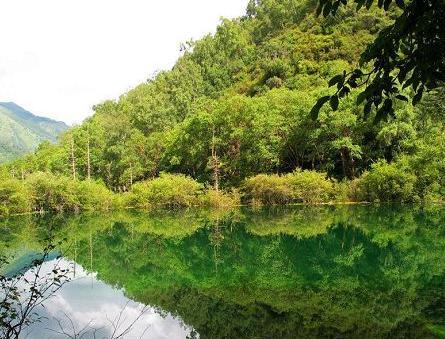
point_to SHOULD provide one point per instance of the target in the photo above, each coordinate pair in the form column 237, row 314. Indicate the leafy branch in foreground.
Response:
column 25, row 294
column 22, row 294
column 120, row 326
column 408, row 54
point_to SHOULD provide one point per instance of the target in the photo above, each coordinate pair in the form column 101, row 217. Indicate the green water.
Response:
column 297, row 272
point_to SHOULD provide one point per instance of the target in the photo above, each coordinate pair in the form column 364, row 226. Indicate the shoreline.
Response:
column 252, row 206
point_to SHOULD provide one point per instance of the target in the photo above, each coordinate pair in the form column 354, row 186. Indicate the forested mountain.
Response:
column 21, row 131
column 237, row 104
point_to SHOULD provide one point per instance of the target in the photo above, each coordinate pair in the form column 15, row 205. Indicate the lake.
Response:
column 290, row 272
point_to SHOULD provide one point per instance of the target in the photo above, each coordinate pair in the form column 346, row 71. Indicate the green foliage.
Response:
column 310, row 186
column 44, row 192
column 387, row 182
column 408, row 53
column 15, row 197
column 63, row 194
column 268, row 189
column 299, row 186
column 169, row 190
column 94, row 196
column 220, row 199
column 53, row 193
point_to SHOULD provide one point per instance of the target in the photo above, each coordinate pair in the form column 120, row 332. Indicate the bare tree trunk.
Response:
column 215, row 163
column 353, row 167
column 109, row 173
column 73, row 160
column 131, row 174
column 343, row 162
column 88, row 160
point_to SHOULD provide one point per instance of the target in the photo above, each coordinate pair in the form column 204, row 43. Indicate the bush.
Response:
column 299, row 187
column 53, row 193
column 213, row 198
column 169, row 190
column 429, row 167
column 93, row 196
column 63, row 194
column 387, row 182
column 268, row 189
column 344, row 191
column 15, row 197
column 310, row 187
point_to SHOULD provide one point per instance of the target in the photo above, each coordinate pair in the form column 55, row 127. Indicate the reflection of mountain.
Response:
column 23, row 262
column 364, row 272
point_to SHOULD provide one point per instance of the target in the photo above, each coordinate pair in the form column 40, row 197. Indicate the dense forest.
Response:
column 231, row 120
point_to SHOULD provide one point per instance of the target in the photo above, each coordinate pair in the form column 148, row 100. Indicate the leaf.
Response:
column 379, row 116
column 384, row 111
column 357, row 73
column 400, row 3
column 408, row 83
column 327, row 8
column 360, row 4
column 334, row 102
column 316, row 109
column 361, row 97
column 335, row 80
column 418, row 96
column 344, row 91
column 367, row 109
column 402, row 97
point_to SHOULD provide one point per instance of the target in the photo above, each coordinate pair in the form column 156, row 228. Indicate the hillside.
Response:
column 21, row 131
column 237, row 105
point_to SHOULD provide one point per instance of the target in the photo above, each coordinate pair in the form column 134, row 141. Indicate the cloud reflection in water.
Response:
column 85, row 303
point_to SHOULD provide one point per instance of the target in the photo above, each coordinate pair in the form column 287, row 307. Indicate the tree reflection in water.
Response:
column 356, row 272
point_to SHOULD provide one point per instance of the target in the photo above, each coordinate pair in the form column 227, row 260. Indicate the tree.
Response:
column 409, row 53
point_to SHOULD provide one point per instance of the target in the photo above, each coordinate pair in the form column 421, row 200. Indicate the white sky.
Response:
column 60, row 57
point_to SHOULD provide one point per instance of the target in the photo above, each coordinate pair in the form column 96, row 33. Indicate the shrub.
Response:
column 344, row 191
column 169, row 190
column 387, row 182
column 299, row 186
column 94, row 195
column 213, row 198
column 53, row 193
column 268, row 189
column 310, row 187
column 63, row 194
column 429, row 167
column 15, row 197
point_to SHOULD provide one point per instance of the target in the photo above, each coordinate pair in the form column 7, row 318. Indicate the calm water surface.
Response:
column 297, row 272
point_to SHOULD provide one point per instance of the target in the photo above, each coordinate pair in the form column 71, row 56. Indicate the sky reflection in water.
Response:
column 92, row 306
